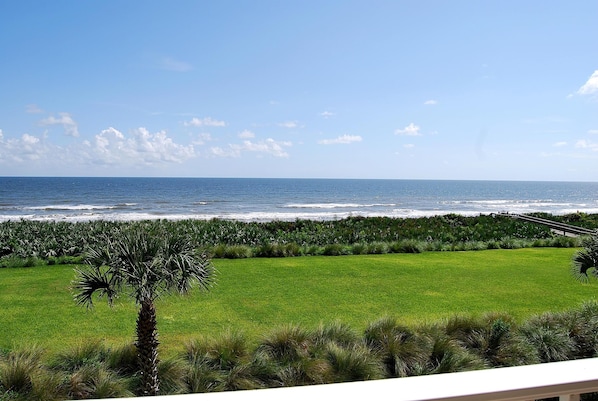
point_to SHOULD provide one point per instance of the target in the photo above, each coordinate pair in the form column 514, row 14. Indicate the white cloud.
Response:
column 109, row 147
column 583, row 144
column 24, row 149
column 112, row 147
column 269, row 146
column 67, row 122
column 204, row 122
column 408, row 146
column 202, row 139
column 430, row 102
column 327, row 114
column 289, row 124
column 559, row 144
column 591, row 86
column 343, row 139
column 246, row 134
column 593, row 132
column 33, row 109
column 171, row 64
column 410, row 130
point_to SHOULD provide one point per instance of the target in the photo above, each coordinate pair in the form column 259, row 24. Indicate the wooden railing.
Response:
column 566, row 380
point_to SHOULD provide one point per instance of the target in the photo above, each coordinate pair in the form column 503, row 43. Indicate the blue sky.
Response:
column 488, row 90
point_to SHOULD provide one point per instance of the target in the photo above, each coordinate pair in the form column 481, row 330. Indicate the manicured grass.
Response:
column 257, row 295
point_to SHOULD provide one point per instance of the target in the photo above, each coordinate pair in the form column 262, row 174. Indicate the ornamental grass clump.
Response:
column 549, row 335
column 224, row 362
column 96, row 381
column 445, row 355
column 18, row 370
column 400, row 349
column 83, row 354
column 351, row 363
column 494, row 337
column 289, row 352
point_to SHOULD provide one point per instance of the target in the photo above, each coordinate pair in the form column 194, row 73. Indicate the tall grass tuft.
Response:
column 584, row 331
column 18, row 370
column 549, row 335
column 96, row 381
column 201, row 378
column 84, row 353
column 228, row 350
column 123, row 359
column 288, row 353
column 289, row 343
column 224, row 363
column 399, row 348
column 493, row 337
column 335, row 332
column 446, row 355
column 352, row 363
column 172, row 376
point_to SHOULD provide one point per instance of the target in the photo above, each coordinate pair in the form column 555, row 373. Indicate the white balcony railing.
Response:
column 566, row 380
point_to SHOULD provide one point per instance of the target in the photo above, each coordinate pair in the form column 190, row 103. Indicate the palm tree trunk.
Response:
column 147, row 348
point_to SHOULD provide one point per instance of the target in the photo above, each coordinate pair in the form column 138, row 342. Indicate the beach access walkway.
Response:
column 556, row 227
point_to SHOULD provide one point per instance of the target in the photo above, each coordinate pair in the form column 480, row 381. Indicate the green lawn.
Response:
column 256, row 295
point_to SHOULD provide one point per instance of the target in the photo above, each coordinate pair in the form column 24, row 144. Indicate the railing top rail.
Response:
column 500, row 384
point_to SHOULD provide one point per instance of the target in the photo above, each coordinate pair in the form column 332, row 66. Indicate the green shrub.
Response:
column 359, row 249
column 334, row 250
column 561, row 241
column 406, row 246
column 377, row 248
column 237, row 252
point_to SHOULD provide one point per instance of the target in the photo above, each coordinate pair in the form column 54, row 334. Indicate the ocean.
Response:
column 249, row 199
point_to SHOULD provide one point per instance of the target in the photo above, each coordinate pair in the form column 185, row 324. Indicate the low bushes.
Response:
column 293, row 355
column 61, row 242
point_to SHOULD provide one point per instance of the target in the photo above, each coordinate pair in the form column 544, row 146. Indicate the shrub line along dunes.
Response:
column 32, row 242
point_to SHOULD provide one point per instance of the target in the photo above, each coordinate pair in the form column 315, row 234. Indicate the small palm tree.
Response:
column 585, row 261
column 144, row 262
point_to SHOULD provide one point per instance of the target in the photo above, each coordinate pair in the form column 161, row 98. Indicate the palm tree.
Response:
column 585, row 261
column 144, row 261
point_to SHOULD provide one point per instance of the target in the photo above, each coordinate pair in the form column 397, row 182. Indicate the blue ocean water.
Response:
column 248, row 199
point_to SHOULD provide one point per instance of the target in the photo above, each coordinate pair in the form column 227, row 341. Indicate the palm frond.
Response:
column 584, row 264
column 93, row 280
column 191, row 269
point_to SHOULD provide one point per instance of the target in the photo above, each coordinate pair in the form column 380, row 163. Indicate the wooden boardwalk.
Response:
column 556, row 227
